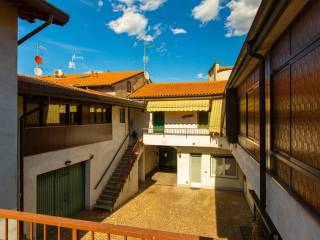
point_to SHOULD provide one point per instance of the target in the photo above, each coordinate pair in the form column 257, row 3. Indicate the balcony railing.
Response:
column 75, row 226
column 177, row 131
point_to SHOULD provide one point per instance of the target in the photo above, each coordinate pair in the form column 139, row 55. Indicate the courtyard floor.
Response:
column 161, row 205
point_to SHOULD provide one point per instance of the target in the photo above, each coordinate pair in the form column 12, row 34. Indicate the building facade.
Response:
column 272, row 98
column 184, row 134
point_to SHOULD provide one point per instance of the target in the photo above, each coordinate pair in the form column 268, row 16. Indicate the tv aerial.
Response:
column 38, row 71
column 72, row 63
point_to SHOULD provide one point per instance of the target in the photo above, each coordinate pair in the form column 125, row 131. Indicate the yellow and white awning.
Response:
column 216, row 116
column 178, row 105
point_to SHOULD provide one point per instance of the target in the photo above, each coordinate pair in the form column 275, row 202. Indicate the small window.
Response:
column 203, row 118
column 129, row 87
column 74, row 114
column 98, row 115
column 223, row 167
column 34, row 118
column 92, row 118
column 56, row 114
column 122, row 115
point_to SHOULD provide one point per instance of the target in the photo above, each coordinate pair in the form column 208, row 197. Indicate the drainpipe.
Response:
column 262, row 121
column 35, row 31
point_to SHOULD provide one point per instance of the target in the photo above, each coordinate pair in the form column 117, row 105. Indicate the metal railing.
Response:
column 113, row 158
column 136, row 150
column 31, row 220
column 177, row 131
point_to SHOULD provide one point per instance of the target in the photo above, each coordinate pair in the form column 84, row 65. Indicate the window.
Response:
column 203, row 118
column 34, row 118
column 74, row 115
column 92, row 117
column 122, row 115
column 56, row 114
column 99, row 115
column 129, row 87
column 223, row 166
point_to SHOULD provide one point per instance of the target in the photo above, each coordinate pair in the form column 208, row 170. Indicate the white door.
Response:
column 195, row 170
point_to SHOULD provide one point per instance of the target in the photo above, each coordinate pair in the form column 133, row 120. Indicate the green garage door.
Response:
column 61, row 192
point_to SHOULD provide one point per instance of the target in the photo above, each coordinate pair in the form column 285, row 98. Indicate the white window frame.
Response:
column 212, row 157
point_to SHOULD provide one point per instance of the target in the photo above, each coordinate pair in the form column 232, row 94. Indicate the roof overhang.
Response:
column 30, row 10
column 272, row 19
column 33, row 87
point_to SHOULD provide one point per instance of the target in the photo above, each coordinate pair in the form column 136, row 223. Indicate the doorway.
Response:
column 168, row 159
column 195, row 170
column 158, row 122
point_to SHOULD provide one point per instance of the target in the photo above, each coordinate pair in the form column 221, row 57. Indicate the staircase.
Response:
column 113, row 188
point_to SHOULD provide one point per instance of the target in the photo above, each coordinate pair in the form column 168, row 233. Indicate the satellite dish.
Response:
column 38, row 71
column 146, row 75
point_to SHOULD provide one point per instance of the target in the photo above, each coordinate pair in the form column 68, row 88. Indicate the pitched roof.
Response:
column 92, row 79
column 181, row 89
column 34, row 86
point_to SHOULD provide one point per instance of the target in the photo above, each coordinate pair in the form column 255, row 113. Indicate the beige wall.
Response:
column 151, row 158
column 176, row 120
column 102, row 151
column 140, row 120
column 130, row 188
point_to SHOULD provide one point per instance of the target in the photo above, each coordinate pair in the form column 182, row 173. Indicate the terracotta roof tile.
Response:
column 183, row 89
column 92, row 79
column 56, row 87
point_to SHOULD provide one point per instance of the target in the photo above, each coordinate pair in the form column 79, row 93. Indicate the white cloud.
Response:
column 242, row 13
column 206, row 11
column 132, row 23
column 151, row 5
column 202, row 76
column 176, row 31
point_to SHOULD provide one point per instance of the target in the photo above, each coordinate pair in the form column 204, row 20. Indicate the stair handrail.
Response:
column 135, row 150
column 113, row 158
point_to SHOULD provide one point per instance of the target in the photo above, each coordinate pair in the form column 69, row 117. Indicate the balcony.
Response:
column 187, row 137
column 77, row 228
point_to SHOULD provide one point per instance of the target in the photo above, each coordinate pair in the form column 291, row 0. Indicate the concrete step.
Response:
column 104, row 207
column 107, row 197
column 105, row 202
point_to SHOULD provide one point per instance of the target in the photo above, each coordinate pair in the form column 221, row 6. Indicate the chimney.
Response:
column 58, row 73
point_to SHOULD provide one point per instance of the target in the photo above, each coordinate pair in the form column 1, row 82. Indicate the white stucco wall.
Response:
column 207, row 181
column 176, row 120
column 102, row 151
column 8, row 107
column 291, row 219
column 130, row 188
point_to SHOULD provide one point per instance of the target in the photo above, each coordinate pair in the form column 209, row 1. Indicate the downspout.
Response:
column 35, row 31
column 262, row 123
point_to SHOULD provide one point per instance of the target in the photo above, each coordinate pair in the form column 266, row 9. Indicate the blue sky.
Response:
column 185, row 37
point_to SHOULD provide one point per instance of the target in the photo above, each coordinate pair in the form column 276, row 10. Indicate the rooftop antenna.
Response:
column 72, row 63
column 38, row 71
column 145, row 57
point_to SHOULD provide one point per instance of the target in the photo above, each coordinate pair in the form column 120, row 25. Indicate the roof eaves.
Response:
column 31, row 10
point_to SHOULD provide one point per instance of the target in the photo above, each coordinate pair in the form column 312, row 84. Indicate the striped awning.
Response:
column 216, row 116
column 178, row 106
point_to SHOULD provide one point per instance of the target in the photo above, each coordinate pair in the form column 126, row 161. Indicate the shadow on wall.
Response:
column 233, row 215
